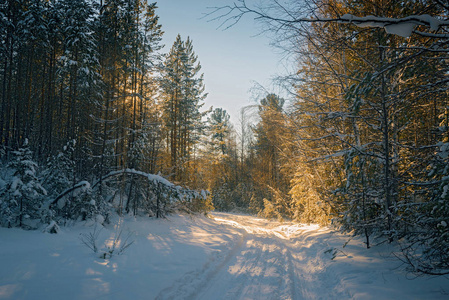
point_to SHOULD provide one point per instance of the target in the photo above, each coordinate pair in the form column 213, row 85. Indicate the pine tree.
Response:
column 220, row 130
column 183, row 93
column 23, row 196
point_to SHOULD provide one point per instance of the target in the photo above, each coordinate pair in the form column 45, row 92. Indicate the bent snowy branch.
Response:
column 403, row 27
column 81, row 185
column 182, row 193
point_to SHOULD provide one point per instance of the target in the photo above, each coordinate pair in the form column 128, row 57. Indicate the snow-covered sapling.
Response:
column 90, row 239
column 118, row 245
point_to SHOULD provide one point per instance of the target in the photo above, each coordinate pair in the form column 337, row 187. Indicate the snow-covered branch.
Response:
column 150, row 177
column 159, row 181
column 403, row 27
column 83, row 185
column 399, row 26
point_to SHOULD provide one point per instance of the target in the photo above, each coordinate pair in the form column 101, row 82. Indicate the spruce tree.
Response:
column 23, row 196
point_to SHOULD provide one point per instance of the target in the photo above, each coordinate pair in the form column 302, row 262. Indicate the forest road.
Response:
column 264, row 263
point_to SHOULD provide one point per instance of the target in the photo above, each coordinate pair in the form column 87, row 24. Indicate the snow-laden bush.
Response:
column 150, row 194
column 24, row 202
column 69, row 200
column 426, row 248
column 58, row 174
column 78, row 203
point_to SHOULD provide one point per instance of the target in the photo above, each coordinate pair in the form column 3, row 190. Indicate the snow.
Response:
column 15, row 183
column 151, row 177
column 402, row 29
column 225, row 256
column 402, row 26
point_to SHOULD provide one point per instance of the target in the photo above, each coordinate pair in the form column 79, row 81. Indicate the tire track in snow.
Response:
column 189, row 284
column 292, row 284
column 240, row 282
column 259, row 266
column 282, row 237
column 257, row 272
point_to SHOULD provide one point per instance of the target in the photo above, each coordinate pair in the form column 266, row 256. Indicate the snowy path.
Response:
column 260, row 266
column 226, row 256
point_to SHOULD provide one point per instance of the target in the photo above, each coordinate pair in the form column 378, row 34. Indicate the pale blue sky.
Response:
column 231, row 59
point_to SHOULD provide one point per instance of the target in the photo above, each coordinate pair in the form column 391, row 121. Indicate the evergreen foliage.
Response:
column 23, row 195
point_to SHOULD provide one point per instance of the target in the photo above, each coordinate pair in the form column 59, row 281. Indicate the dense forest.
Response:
column 91, row 108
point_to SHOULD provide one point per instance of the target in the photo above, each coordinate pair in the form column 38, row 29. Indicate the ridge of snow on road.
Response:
column 281, row 231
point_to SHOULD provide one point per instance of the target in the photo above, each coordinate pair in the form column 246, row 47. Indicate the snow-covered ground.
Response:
column 225, row 256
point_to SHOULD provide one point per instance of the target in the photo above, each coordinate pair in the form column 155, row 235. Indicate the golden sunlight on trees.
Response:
column 182, row 96
column 369, row 117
